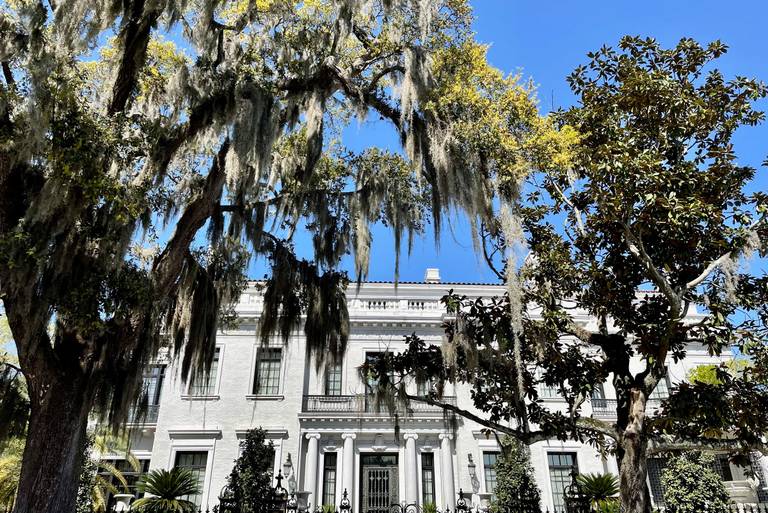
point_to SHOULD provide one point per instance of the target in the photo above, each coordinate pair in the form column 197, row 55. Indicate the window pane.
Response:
column 561, row 465
column 427, row 478
column 196, row 462
column 661, row 391
column 268, row 372
column 333, row 379
column 206, row 385
column 489, row 467
column 329, row 478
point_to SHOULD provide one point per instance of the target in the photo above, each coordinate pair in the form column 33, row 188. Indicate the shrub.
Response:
column 691, row 485
column 515, row 483
column 166, row 489
column 250, row 482
column 601, row 489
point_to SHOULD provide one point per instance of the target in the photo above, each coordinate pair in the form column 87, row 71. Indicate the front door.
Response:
column 379, row 482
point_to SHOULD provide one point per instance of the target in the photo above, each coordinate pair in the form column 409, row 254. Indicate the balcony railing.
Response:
column 364, row 405
column 604, row 408
column 149, row 416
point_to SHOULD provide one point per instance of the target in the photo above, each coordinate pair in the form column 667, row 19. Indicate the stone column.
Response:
column 310, row 468
column 446, row 471
column 411, row 469
column 348, row 465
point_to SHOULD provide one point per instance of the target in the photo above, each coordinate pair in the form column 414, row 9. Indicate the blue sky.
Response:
column 545, row 41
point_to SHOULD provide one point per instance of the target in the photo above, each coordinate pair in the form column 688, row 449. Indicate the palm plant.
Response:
column 166, row 489
column 10, row 469
column 109, row 479
column 601, row 489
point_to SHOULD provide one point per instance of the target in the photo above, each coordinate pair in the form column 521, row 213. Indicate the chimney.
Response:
column 432, row 275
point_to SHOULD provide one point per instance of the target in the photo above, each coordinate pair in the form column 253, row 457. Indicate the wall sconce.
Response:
column 472, row 468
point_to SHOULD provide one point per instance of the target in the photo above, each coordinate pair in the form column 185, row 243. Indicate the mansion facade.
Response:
column 329, row 438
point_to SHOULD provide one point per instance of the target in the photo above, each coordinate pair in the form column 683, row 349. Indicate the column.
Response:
column 411, row 469
column 348, row 464
column 446, row 471
column 310, row 468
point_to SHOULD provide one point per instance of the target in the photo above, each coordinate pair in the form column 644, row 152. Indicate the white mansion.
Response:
column 328, row 438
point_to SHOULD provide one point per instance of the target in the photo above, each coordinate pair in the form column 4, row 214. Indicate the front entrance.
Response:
column 379, row 483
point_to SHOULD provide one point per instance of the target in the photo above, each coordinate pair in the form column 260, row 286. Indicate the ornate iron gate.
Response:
column 379, row 488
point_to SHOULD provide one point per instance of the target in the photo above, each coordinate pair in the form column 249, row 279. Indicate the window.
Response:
column 427, row 478
column 195, row 461
column 333, row 379
column 131, row 474
column 206, row 385
column 598, row 392
column 267, row 380
column 546, row 391
column 561, row 465
column 661, row 391
column 489, row 468
column 371, row 383
column 424, row 388
column 329, row 478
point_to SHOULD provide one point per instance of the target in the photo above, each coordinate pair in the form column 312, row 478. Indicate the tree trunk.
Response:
column 53, row 454
column 633, row 464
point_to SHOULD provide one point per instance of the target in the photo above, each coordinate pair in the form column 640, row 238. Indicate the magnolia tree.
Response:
column 656, row 219
column 151, row 150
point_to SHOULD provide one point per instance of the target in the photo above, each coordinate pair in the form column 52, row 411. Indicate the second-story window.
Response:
column 661, row 391
column 267, row 380
column 153, row 383
column 206, row 385
column 333, row 379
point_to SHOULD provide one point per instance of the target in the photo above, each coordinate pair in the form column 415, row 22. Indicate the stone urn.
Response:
column 122, row 502
column 485, row 502
column 302, row 499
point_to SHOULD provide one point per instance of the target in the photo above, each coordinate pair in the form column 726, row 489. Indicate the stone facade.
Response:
column 333, row 436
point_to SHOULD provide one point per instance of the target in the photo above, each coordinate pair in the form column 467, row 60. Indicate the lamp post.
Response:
column 289, row 474
column 472, row 468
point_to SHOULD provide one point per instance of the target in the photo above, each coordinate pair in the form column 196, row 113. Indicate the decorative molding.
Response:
column 257, row 397
column 271, row 433
column 194, row 433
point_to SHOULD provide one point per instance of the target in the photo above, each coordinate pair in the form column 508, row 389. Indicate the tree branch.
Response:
column 198, row 210
column 528, row 438
column 708, row 270
column 135, row 36
column 635, row 245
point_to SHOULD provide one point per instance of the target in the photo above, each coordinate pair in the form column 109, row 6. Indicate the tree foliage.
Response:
column 150, row 151
column 250, row 482
column 691, row 484
column 14, row 399
column 516, row 488
column 657, row 219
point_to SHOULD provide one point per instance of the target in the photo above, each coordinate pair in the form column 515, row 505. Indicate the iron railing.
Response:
column 365, row 405
column 605, row 408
